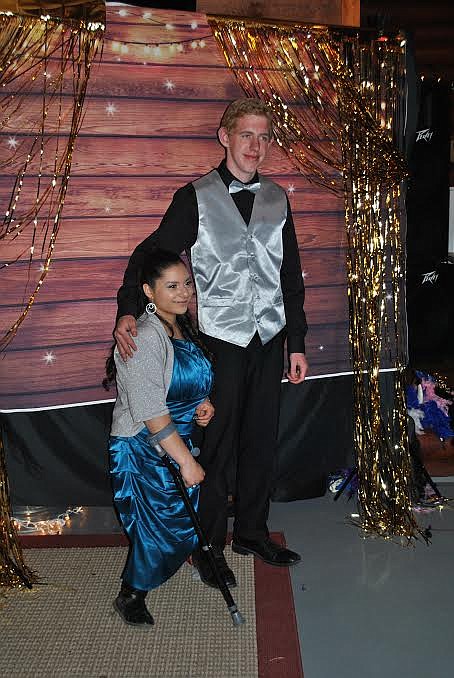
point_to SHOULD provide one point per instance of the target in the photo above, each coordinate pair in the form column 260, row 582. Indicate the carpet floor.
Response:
column 66, row 625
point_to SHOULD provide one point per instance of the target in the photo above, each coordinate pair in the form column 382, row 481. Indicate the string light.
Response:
column 163, row 49
column 50, row 526
column 160, row 49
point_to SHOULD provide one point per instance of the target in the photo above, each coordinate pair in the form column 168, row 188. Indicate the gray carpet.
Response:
column 67, row 625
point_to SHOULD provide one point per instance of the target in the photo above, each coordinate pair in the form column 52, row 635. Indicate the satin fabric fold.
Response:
column 151, row 511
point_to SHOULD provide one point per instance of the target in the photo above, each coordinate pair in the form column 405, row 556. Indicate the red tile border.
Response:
column 278, row 648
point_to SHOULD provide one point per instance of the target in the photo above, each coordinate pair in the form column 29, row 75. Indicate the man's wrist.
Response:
column 296, row 345
column 123, row 313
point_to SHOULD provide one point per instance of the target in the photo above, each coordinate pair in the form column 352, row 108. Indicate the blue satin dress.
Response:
column 151, row 511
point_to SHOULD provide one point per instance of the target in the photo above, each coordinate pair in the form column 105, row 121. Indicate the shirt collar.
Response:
column 227, row 177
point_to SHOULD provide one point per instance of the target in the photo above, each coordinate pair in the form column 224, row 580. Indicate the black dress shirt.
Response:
column 178, row 232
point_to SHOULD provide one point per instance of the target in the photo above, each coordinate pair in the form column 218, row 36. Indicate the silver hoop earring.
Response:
column 150, row 308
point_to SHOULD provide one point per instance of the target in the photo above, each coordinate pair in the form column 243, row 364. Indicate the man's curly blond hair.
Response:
column 241, row 107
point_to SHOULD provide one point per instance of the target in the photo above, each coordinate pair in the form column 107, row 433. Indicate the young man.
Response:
column 237, row 229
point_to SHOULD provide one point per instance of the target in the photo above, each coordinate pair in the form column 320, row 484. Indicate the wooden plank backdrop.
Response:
column 150, row 126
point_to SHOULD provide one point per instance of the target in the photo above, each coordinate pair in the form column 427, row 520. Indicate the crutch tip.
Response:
column 237, row 618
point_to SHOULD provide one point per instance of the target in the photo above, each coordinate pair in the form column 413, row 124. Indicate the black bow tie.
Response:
column 237, row 186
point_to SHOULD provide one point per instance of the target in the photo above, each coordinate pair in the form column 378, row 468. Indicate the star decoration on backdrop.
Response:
column 290, row 189
column 49, row 358
column 12, row 142
column 111, row 109
column 304, row 274
column 169, row 85
column 321, row 347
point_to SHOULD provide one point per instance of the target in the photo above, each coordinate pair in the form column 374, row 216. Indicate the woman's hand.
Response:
column 192, row 472
column 204, row 413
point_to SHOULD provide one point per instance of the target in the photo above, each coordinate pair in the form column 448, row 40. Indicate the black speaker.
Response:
column 429, row 274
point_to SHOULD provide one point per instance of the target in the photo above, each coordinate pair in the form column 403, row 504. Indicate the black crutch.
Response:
column 236, row 615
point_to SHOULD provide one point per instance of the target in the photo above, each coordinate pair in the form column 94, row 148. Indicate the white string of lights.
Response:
column 161, row 48
column 51, row 526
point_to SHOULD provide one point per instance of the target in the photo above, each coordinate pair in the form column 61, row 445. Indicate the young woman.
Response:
column 161, row 390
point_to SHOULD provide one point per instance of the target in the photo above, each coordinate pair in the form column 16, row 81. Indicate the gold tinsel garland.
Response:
column 14, row 572
column 336, row 101
column 52, row 57
column 373, row 173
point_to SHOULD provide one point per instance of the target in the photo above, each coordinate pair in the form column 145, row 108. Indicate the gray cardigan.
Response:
column 143, row 381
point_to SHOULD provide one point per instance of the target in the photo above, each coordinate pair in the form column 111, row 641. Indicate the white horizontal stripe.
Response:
column 112, row 400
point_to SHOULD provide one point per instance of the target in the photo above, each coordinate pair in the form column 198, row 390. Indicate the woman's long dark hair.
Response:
column 153, row 267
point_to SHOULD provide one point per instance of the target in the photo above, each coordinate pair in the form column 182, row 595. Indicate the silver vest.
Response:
column 237, row 267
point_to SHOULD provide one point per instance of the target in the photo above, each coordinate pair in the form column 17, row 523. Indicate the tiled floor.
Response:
column 370, row 608
column 365, row 608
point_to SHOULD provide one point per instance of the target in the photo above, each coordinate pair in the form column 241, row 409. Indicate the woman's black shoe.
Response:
column 130, row 605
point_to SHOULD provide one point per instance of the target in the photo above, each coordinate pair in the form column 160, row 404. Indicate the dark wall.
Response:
column 59, row 457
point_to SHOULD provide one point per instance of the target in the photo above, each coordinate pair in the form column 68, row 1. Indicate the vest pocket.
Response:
column 217, row 301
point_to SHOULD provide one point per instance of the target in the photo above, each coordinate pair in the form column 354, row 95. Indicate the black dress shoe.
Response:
column 201, row 562
column 130, row 605
column 267, row 550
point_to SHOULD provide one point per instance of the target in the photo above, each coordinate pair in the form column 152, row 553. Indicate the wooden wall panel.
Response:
column 107, row 236
column 91, row 276
column 141, row 80
column 139, row 155
column 151, row 194
column 52, row 371
column 151, row 118
column 145, row 156
column 75, row 366
column 149, row 128
column 340, row 12
column 67, row 323
column 86, row 320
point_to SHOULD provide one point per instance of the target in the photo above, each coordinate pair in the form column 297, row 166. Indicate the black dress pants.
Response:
column 240, row 440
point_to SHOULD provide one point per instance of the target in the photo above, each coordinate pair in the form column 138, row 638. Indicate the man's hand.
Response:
column 124, row 331
column 204, row 413
column 298, row 368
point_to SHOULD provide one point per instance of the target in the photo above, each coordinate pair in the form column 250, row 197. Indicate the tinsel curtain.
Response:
column 336, row 98
column 52, row 57
column 46, row 51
